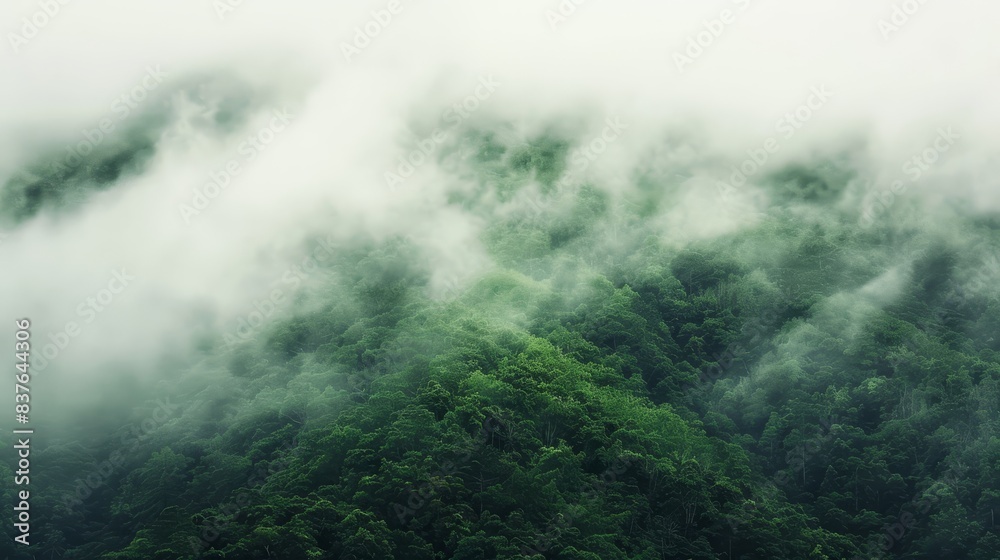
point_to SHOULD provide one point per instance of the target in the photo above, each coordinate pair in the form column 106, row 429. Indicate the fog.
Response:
column 332, row 115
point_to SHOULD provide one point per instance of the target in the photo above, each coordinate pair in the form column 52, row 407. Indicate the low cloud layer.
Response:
column 274, row 126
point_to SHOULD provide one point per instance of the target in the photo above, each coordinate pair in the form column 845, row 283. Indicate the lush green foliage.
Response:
column 799, row 389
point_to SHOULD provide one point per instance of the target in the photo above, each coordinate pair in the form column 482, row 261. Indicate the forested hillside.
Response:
column 802, row 386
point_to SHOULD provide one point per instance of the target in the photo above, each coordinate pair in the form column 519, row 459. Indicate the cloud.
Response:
column 324, row 173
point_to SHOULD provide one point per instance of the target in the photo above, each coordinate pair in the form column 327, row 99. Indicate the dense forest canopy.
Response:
column 802, row 388
column 559, row 281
